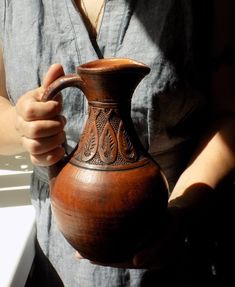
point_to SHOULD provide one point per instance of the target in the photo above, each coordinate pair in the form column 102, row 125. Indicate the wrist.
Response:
column 11, row 140
column 193, row 206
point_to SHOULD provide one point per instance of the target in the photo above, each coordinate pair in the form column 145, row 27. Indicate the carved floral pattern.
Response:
column 105, row 139
column 89, row 140
column 108, row 144
column 125, row 145
column 91, row 144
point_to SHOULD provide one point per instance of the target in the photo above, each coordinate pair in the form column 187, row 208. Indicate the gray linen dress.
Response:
column 166, row 106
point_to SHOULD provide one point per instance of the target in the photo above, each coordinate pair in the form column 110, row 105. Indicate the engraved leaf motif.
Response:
column 125, row 145
column 108, row 145
column 90, row 144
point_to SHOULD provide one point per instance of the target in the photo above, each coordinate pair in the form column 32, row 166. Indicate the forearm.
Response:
column 210, row 165
column 10, row 139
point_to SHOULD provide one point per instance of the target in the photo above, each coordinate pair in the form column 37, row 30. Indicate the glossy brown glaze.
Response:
column 110, row 195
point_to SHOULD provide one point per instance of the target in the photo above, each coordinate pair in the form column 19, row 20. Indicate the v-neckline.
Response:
column 90, row 50
column 111, row 30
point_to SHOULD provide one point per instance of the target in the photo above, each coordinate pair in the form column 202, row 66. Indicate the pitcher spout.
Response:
column 117, row 77
column 110, row 65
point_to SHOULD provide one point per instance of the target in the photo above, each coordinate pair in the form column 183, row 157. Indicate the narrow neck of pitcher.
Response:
column 123, row 109
column 116, row 116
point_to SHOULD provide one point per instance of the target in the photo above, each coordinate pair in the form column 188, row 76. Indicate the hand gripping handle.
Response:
column 70, row 80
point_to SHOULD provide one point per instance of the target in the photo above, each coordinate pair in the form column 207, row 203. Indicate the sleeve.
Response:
column 2, row 18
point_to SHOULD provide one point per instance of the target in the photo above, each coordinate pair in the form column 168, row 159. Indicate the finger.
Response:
column 58, row 98
column 43, row 145
column 30, row 108
column 41, row 128
column 49, row 158
column 55, row 71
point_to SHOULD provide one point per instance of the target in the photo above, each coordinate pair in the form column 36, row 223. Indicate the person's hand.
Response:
column 40, row 124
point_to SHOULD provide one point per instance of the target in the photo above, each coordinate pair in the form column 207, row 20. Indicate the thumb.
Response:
column 55, row 71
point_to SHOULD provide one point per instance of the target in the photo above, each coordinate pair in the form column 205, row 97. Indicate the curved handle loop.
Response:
column 70, row 80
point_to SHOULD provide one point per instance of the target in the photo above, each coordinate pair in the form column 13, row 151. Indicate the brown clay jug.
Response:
column 110, row 195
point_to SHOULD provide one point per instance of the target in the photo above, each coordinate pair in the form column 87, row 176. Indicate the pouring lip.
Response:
column 109, row 65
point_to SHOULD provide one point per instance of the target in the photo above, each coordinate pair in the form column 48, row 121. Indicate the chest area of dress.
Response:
column 142, row 29
column 132, row 29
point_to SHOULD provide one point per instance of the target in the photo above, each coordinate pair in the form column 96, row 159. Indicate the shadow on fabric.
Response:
column 42, row 272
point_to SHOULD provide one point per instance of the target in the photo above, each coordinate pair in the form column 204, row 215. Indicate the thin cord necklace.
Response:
column 96, row 22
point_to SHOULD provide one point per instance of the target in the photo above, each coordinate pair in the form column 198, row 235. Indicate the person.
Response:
column 183, row 113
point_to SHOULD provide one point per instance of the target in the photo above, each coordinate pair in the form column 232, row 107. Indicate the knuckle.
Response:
column 48, row 158
column 33, row 130
column 29, row 112
column 54, row 155
column 54, row 107
column 34, row 160
column 34, row 147
column 37, row 160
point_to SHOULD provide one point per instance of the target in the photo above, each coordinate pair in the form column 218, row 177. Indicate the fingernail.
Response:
column 64, row 120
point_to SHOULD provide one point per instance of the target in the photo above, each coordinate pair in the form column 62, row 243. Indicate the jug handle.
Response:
column 69, row 80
